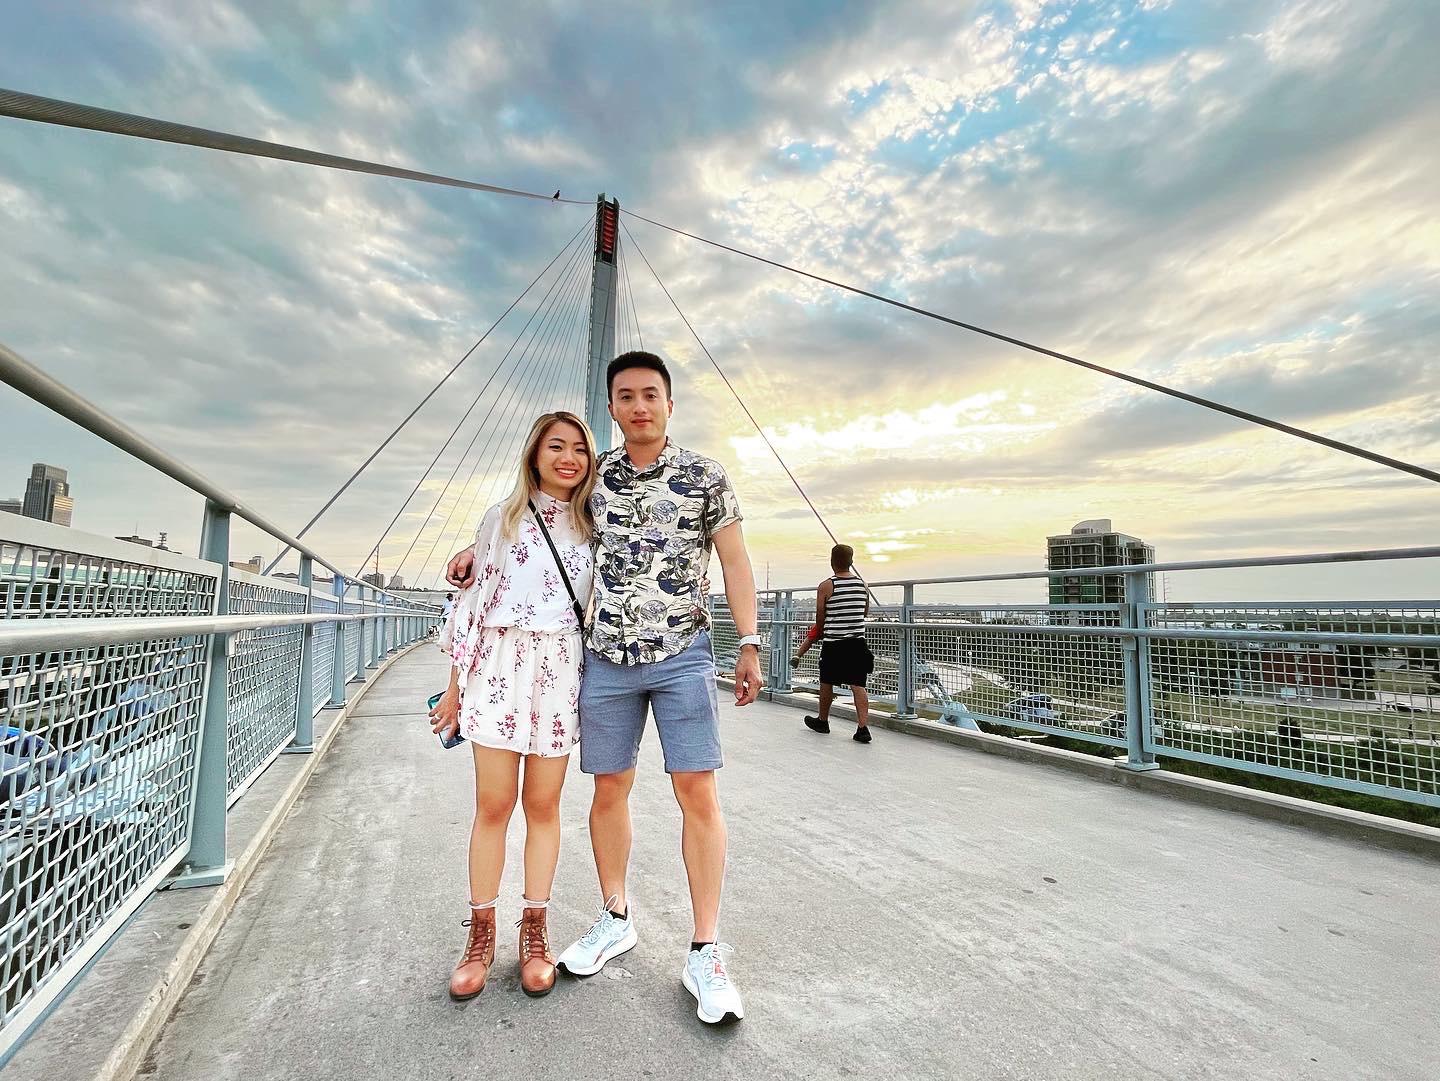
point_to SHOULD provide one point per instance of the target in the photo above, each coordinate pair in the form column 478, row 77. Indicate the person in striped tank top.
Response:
column 841, row 604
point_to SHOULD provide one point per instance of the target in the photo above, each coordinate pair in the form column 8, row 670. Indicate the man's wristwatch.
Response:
column 749, row 640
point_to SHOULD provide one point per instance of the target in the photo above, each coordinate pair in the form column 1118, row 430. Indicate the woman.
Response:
column 514, row 640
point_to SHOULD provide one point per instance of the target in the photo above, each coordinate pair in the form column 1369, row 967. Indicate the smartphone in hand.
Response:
column 457, row 738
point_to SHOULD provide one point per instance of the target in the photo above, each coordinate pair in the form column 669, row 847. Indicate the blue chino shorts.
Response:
column 679, row 691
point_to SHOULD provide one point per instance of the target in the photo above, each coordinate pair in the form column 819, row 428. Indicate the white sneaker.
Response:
column 608, row 937
column 706, row 978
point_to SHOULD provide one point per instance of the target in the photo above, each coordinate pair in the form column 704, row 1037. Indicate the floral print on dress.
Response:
column 508, row 676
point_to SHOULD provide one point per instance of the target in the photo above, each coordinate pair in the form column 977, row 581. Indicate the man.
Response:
column 447, row 607
column 841, row 604
column 658, row 512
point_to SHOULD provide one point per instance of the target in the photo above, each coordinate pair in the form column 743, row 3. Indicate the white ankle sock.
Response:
column 481, row 907
column 535, row 904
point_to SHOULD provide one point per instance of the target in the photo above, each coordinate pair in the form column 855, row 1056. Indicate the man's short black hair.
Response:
column 842, row 557
column 636, row 358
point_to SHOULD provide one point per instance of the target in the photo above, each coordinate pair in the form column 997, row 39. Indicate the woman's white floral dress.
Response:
column 514, row 637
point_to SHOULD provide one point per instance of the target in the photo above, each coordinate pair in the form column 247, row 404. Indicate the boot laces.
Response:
column 482, row 938
column 534, row 936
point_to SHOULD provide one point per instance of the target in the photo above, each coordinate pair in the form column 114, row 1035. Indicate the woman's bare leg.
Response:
column 497, row 779
column 544, row 777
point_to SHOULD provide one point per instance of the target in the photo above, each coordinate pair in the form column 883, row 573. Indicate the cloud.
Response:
column 1235, row 198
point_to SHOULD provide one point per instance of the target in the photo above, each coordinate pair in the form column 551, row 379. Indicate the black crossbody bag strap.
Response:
column 564, row 575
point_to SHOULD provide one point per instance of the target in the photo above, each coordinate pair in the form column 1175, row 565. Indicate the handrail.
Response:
column 19, row 637
column 48, row 391
column 1208, row 634
column 1429, row 552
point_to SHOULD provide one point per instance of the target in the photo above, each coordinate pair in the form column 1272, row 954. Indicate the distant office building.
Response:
column 253, row 565
column 12, row 506
column 47, row 495
column 396, row 583
column 159, row 546
column 1093, row 543
column 375, row 579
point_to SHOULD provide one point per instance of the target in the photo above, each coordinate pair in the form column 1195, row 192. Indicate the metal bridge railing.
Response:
column 141, row 693
column 1342, row 694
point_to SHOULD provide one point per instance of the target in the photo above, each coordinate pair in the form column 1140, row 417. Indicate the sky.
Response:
column 1234, row 198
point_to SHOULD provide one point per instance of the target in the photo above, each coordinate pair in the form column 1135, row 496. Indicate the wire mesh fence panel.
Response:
column 264, row 680
column 352, row 638
column 97, row 759
column 1067, row 683
column 725, row 638
column 47, row 583
column 1352, row 714
column 322, row 644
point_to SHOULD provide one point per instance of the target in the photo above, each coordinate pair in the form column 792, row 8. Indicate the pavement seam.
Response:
column 140, row 1035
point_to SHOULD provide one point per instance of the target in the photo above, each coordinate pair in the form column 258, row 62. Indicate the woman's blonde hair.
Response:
column 528, row 481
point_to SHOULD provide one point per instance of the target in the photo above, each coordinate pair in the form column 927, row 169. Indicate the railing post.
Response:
column 1139, row 711
column 304, row 741
column 337, row 662
column 359, row 673
column 780, row 639
column 205, row 863
column 905, row 677
column 377, row 628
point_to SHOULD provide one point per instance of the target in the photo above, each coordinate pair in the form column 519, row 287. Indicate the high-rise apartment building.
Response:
column 1093, row 543
column 47, row 495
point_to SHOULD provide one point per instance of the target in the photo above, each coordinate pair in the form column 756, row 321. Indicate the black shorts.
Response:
column 845, row 663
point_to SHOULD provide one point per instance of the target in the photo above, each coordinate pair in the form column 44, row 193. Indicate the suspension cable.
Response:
column 1161, row 388
column 578, row 309
column 624, row 340
column 514, row 393
column 509, row 389
column 519, row 394
column 630, row 292
column 23, row 106
column 421, row 405
column 454, row 431
column 726, row 379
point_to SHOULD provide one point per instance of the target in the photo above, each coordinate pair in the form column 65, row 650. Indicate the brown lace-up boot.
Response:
column 537, row 963
column 468, row 979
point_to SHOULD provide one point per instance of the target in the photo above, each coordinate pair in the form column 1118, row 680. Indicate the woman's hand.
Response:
column 445, row 717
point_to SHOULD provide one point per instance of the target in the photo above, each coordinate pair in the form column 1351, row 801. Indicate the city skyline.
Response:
column 1231, row 198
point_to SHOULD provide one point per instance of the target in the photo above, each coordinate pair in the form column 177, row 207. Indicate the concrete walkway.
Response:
column 903, row 910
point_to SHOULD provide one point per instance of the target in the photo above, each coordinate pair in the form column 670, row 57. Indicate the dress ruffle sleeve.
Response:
column 460, row 637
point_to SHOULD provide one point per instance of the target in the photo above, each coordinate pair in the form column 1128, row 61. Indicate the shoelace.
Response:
column 534, row 937
column 712, row 965
column 480, row 941
column 598, row 928
column 601, row 924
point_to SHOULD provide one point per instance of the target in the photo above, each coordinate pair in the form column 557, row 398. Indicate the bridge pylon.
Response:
column 602, row 318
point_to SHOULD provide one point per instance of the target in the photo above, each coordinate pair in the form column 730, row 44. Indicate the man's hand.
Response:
column 461, row 570
column 747, row 676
